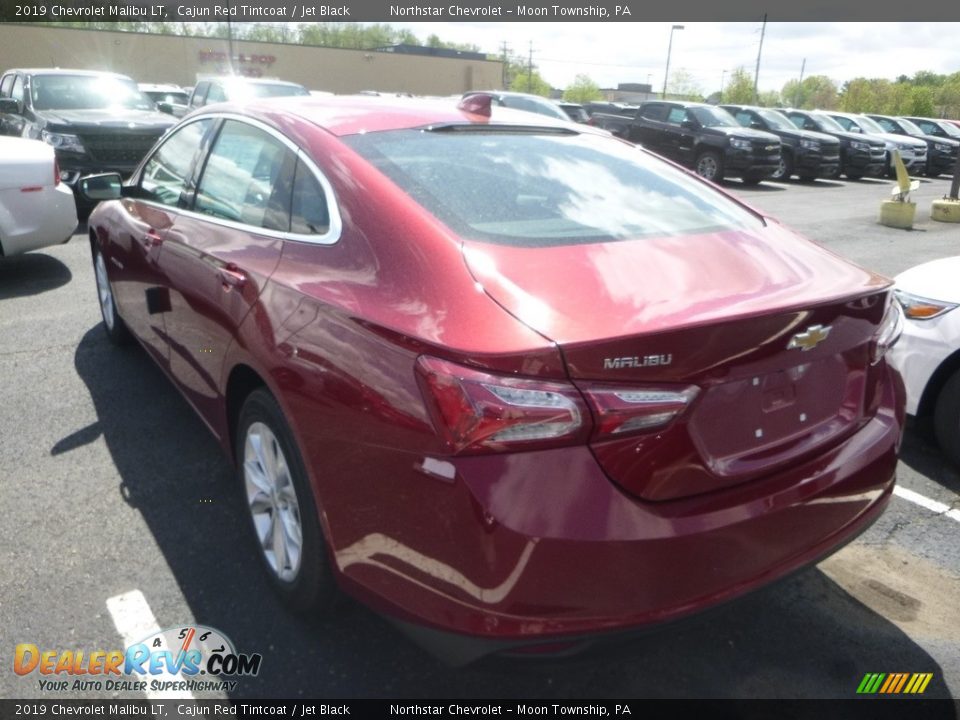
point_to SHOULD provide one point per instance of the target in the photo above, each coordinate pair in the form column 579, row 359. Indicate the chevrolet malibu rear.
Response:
column 535, row 385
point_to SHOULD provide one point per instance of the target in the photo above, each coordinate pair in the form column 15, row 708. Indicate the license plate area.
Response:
column 756, row 423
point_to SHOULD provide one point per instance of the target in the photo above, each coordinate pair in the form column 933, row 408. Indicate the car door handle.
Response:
column 152, row 238
column 232, row 277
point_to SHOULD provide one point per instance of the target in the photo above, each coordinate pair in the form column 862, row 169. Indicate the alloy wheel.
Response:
column 104, row 291
column 272, row 501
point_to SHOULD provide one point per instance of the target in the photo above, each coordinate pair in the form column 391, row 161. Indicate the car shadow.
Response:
column 805, row 637
column 763, row 186
column 921, row 453
column 31, row 274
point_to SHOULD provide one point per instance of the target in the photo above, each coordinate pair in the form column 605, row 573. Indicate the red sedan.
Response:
column 512, row 382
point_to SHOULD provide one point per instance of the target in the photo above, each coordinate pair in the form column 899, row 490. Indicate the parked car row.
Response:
column 755, row 143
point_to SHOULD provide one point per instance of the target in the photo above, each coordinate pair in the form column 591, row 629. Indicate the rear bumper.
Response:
column 541, row 547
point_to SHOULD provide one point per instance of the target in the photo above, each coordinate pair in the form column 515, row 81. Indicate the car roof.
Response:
column 351, row 114
column 69, row 71
column 248, row 80
column 160, row 86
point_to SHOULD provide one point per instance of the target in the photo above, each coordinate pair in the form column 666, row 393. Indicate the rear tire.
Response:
column 281, row 508
column 946, row 419
column 709, row 166
column 113, row 324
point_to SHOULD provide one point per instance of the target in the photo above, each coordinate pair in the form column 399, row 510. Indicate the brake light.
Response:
column 56, row 171
column 621, row 411
column 475, row 411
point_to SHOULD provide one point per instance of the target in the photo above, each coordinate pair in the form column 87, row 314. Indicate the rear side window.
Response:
column 309, row 214
column 215, row 95
column 17, row 91
column 653, row 112
column 167, row 172
column 247, row 178
column 845, row 123
column 677, row 115
column 546, row 189
column 199, row 93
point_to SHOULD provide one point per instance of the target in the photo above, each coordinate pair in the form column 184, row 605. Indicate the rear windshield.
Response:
column 551, row 188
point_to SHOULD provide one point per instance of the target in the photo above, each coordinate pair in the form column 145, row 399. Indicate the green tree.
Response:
column 739, row 89
column 858, row 96
column 819, row 92
column 683, row 85
column 921, row 101
column 582, row 90
column 769, row 98
column 532, row 83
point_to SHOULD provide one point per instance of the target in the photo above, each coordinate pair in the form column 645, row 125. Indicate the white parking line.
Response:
column 134, row 621
column 923, row 501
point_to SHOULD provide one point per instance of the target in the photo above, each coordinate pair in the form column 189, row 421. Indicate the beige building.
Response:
column 180, row 60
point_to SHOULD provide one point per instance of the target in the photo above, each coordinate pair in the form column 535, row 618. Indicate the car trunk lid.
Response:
column 773, row 330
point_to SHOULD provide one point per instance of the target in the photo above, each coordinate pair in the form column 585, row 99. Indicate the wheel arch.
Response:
column 939, row 378
column 242, row 381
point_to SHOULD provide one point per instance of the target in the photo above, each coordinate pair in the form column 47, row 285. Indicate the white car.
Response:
column 928, row 354
column 36, row 209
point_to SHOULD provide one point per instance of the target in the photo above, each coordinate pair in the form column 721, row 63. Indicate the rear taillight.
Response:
column 620, row 411
column 56, row 172
column 475, row 411
column 888, row 333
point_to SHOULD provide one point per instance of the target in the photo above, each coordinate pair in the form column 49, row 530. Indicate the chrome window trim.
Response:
column 331, row 237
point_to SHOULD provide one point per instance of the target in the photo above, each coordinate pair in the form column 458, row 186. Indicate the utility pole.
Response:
column 530, row 69
column 796, row 99
column 504, row 79
column 229, row 40
column 756, row 75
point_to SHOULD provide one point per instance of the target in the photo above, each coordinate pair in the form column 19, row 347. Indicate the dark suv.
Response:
column 96, row 121
column 703, row 137
column 941, row 150
column 859, row 154
column 805, row 153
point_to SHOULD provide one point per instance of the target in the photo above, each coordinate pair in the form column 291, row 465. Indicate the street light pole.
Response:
column 666, row 74
column 723, row 77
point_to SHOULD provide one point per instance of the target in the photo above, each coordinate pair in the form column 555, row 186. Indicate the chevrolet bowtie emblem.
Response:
column 810, row 338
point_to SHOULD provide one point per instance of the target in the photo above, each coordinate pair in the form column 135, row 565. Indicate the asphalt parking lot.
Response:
column 110, row 484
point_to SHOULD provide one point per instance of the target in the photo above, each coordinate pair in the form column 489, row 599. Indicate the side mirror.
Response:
column 11, row 106
column 107, row 186
column 688, row 125
column 756, row 125
column 855, row 129
column 165, row 107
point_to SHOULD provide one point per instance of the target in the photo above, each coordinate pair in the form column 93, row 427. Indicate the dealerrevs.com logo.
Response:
column 188, row 658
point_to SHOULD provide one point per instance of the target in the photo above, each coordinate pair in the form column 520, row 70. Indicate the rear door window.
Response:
column 248, row 178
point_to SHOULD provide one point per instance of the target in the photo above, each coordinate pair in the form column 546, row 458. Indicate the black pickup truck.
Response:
column 859, row 154
column 95, row 121
column 702, row 137
column 807, row 154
